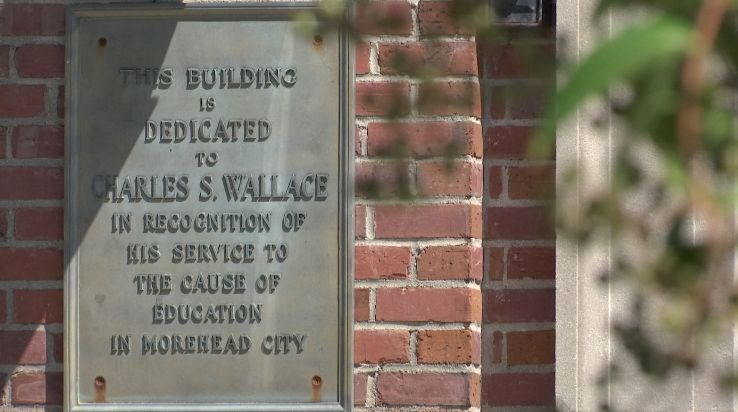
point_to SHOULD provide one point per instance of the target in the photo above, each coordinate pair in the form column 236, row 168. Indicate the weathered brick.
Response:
column 382, row 262
column 382, row 99
column 3, row 306
column 495, row 262
column 30, row 263
column 22, row 347
column 424, row 139
column 29, row 183
column 439, row 17
column 60, row 101
column 449, row 346
column 3, row 133
column 382, row 179
column 38, row 306
column 494, row 179
column 3, row 224
column 427, row 221
column 497, row 97
column 519, row 223
column 531, row 262
column 508, row 142
column 445, row 58
column 529, row 101
column 360, row 221
column 428, row 305
column 449, row 178
column 22, row 100
column 31, row 388
column 384, row 17
column 40, row 60
column 360, row 382
column 450, row 262
column 519, row 305
column 531, row 348
column 381, row 346
column 518, row 389
column 531, row 182
column 38, row 142
column 31, row 19
column 450, row 98
column 4, row 61
column 436, row 389
column 39, row 223
column 363, row 51
column 361, row 305
column 519, row 60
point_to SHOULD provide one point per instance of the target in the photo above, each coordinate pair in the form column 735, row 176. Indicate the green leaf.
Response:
column 619, row 58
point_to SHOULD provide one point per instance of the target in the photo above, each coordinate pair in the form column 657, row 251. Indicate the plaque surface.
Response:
column 209, row 210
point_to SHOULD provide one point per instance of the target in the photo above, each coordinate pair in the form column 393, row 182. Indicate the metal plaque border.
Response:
column 225, row 11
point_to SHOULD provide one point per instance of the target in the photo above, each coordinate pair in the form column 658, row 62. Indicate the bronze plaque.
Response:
column 209, row 210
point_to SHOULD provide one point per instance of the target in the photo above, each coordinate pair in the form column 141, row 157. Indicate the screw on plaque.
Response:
column 100, row 388
column 317, row 383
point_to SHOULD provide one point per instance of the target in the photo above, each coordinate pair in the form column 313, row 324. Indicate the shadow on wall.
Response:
column 31, row 197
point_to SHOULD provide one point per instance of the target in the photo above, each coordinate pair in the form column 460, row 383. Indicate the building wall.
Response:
column 419, row 271
column 519, row 243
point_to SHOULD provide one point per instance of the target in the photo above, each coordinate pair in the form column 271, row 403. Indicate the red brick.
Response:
column 363, row 51
column 529, row 101
column 495, row 262
column 3, row 131
column 3, row 224
column 531, row 348
column 59, row 347
column 449, row 346
column 428, row 305
column 519, row 223
column 40, row 60
column 31, row 263
column 450, row 98
column 384, row 17
column 519, row 305
column 531, row 182
column 38, row 306
column 382, row 99
column 360, row 381
column 382, row 262
column 450, row 179
column 497, row 102
column 4, row 60
column 39, row 223
column 382, row 179
column 494, row 179
column 22, row 100
column 531, row 262
column 361, row 305
column 3, row 306
column 517, row 60
column 38, row 142
column 518, row 389
column 360, row 222
column 30, row 388
column 435, row 389
column 23, row 347
column 424, row 138
column 508, row 142
column 427, row 221
column 32, row 19
column 495, row 347
column 445, row 58
column 450, row 262
column 381, row 346
column 29, row 183
column 438, row 17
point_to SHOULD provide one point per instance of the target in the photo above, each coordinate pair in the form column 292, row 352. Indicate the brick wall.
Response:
column 519, row 274
column 31, row 205
column 418, row 262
